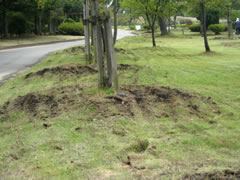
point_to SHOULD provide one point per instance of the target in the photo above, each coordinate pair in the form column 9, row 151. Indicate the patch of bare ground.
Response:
column 63, row 71
column 151, row 102
column 209, row 53
column 76, row 70
column 231, row 44
column 224, row 175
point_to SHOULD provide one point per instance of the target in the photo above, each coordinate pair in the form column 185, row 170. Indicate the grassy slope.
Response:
column 34, row 40
column 96, row 152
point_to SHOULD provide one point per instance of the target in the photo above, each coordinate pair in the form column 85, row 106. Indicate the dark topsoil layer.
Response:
column 76, row 69
column 225, row 175
column 150, row 102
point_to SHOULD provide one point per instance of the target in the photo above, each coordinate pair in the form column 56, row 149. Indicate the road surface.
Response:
column 16, row 60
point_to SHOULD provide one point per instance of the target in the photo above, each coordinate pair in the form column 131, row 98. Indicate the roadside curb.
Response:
column 39, row 44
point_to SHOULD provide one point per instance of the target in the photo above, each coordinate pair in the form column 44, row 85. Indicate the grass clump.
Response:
column 139, row 146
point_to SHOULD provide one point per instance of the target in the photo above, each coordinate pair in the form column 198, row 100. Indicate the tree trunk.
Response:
column 38, row 25
column 5, row 20
column 152, row 24
column 203, row 15
column 111, row 57
column 163, row 26
column 87, row 32
column 115, row 21
column 130, row 22
column 98, row 43
column 175, row 22
column 229, row 20
column 153, row 35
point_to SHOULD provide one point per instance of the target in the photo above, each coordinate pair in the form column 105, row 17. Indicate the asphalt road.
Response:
column 16, row 60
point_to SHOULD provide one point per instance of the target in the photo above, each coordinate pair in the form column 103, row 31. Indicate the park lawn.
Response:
column 84, row 143
column 32, row 39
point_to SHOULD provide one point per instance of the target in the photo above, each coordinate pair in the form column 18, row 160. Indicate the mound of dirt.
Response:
column 36, row 104
column 225, row 175
column 77, row 70
column 63, row 71
column 133, row 101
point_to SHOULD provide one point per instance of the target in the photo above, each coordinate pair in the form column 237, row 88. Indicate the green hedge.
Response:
column 217, row 28
column 195, row 27
column 71, row 28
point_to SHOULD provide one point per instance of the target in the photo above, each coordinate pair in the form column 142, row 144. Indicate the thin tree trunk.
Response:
column 152, row 24
column 86, row 32
column 115, row 21
column 163, row 26
column 5, row 20
column 229, row 20
column 175, row 22
column 98, row 43
column 153, row 35
column 203, row 14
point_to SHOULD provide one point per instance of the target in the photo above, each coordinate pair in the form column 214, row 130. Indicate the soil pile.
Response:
column 225, row 175
column 148, row 101
column 76, row 70
column 63, row 71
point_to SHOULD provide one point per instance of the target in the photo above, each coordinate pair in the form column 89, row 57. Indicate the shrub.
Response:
column 18, row 24
column 146, row 27
column 132, row 27
column 69, row 20
column 195, row 27
column 217, row 28
column 71, row 28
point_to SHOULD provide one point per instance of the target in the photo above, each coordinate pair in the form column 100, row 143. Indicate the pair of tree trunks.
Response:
column 204, row 26
column 103, row 44
column 151, row 21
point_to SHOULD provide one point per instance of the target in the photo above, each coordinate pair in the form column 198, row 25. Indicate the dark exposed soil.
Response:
column 132, row 101
column 77, row 70
column 225, row 175
column 123, row 67
column 63, row 71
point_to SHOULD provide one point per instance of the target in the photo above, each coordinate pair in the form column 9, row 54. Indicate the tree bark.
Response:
column 229, row 20
column 163, row 26
column 115, row 21
column 203, row 15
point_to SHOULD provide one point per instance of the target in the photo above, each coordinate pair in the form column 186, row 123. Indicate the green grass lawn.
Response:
column 31, row 40
column 92, row 140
